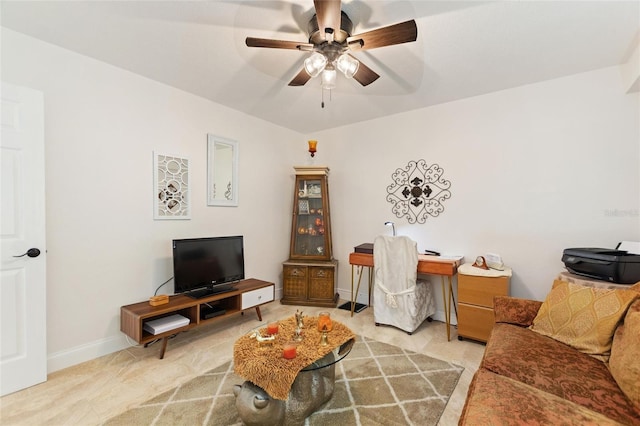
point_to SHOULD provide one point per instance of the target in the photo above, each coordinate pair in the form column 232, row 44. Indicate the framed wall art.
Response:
column 171, row 187
column 222, row 171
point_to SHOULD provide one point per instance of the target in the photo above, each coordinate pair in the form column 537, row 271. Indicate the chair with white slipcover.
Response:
column 399, row 298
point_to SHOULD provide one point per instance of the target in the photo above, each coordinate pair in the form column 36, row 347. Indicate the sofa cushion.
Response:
column 498, row 400
column 625, row 354
column 583, row 317
column 556, row 368
column 515, row 310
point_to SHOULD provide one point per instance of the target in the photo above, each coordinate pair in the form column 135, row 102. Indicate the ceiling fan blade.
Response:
column 365, row 75
column 328, row 15
column 300, row 79
column 386, row 36
column 278, row 44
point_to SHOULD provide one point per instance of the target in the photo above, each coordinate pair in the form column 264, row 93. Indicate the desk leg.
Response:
column 354, row 297
column 446, row 298
column 370, row 282
column 455, row 305
column 352, row 290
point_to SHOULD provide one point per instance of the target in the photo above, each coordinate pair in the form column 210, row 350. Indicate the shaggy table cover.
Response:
column 265, row 366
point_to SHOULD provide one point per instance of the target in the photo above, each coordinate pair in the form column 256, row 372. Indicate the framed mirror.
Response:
column 222, row 171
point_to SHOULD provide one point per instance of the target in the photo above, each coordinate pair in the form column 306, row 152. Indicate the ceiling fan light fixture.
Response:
column 348, row 65
column 315, row 63
column 329, row 78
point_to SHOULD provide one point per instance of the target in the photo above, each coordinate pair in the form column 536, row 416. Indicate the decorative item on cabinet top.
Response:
column 480, row 263
column 418, row 191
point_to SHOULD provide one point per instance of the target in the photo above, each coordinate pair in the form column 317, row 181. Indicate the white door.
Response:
column 23, row 350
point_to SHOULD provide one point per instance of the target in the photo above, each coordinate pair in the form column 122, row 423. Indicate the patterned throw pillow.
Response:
column 584, row 318
column 625, row 362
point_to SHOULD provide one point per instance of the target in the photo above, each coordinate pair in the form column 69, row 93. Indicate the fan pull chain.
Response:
column 322, row 97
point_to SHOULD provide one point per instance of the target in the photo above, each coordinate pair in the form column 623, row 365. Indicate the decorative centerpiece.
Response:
column 325, row 325
column 297, row 334
column 272, row 328
column 262, row 340
column 289, row 350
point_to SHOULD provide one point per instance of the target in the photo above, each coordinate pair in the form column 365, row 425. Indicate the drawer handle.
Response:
column 322, row 273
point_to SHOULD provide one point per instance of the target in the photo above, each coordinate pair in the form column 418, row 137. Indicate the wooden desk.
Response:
column 433, row 265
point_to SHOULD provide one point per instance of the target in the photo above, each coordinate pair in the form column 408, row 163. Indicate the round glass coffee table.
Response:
column 312, row 387
column 333, row 357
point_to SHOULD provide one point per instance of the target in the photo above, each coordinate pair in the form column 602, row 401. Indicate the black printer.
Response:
column 616, row 266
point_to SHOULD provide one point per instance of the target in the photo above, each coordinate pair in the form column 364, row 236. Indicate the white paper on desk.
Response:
column 632, row 247
column 449, row 256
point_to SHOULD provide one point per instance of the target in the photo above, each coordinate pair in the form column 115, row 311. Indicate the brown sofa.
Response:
column 528, row 378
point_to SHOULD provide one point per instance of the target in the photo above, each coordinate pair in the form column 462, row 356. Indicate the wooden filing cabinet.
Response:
column 475, row 301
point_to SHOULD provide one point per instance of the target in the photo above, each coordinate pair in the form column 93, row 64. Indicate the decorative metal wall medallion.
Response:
column 171, row 185
column 418, row 191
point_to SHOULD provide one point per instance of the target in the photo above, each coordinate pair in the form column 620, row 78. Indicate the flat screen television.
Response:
column 205, row 266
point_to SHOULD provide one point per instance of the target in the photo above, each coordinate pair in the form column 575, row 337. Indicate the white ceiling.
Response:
column 463, row 49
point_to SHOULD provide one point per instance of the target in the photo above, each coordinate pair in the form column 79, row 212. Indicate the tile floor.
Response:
column 92, row 392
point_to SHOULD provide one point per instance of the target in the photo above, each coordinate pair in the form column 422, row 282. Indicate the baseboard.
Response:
column 92, row 350
column 278, row 294
column 438, row 316
column 70, row 357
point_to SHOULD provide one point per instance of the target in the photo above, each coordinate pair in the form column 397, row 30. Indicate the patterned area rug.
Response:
column 376, row 384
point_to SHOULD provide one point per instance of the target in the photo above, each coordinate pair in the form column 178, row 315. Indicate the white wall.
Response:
column 533, row 170
column 104, row 248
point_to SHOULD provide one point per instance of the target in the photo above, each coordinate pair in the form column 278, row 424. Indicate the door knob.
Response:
column 32, row 252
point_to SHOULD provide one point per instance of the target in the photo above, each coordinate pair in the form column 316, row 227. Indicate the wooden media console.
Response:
column 247, row 294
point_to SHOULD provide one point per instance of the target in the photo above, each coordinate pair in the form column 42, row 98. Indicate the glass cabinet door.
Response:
column 311, row 229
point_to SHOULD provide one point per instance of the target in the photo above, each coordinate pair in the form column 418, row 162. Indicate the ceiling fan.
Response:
column 331, row 40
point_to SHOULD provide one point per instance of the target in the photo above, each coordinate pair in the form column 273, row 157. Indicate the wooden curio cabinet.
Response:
column 311, row 224
column 309, row 276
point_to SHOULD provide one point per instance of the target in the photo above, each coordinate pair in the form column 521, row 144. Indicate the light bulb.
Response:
column 314, row 64
column 348, row 65
column 329, row 78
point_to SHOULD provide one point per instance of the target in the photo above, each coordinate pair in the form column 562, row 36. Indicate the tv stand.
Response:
column 245, row 294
